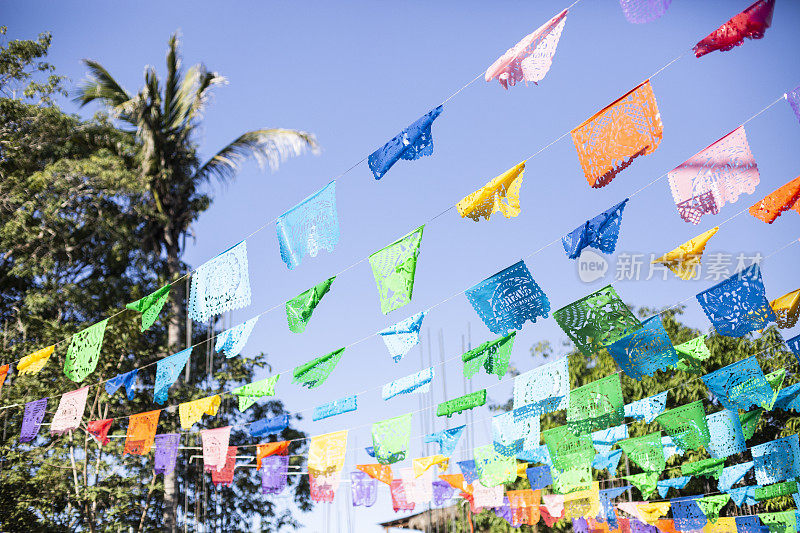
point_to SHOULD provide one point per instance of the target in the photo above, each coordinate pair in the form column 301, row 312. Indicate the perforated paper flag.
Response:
column 597, row 405
column 782, row 522
column 70, row 411
column 447, row 439
column 604, row 439
column 300, row 308
column 511, row 435
column 645, row 451
column 268, row 426
column 32, row 419
column 738, row 305
column 494, row 468
column 468, row 470
column 787, row 309
column 215, row 447
column 576, row 476
column 596, row 320
column 726, row 434
column 166, row 452
column 670, row 448
column 363, row 489
column 749, row 24
column 84, row 351
column 608, row 141
column 529, row 59
column 400, row 500
column 499, row 195
column 793, row 97
column 412, row 143
column 777, row 460
column 422, row 464
column 685, row 260
column 709, row 468
column 607, row 461
column 741, row 385
column 150, row 306
column 33, row 363
column 231, row 341
column 326, row 453
column 686, row 425
column 600, row 232
column 539, row 477
column 607, row 512
column 731, row 475
column 567, row 449
column 776, row 490
column 270, row 449
column 676, row 483
column 493, row 356
column 544, row 389
column 390, row 439
column 419, row 382
column 141, row 432
column 784, row 198
column 167, row 371
column 336, row 407
column 711, row 505
column 315, row 372
column 403, row 336
column 462, row 403
column 647, row 409
column 274, row 474
column 693, row 353
column 310, row 226
column 222, row 284
column 642, row 11
column 508, row 299
column 646, row 482
column 250, row 393
column 98, row 429
column 224, row 476
column 714, row 176
column 382, row 473
column 644, row 351
column 583, row 503
column 128, row 380
column 394, row 268
column 192, row 412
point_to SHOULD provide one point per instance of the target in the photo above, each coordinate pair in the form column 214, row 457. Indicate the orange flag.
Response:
column 382, row 473
column 3, row 374
column 456, row 481
column 775, row 203
column 141, row 432
column 270, row 448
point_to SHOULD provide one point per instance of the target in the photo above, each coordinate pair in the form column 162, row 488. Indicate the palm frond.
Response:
column 270, row 147
column 173, row 81
column 101, row 85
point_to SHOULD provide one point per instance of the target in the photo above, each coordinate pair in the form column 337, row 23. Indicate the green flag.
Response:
column 686, row 425
column 493, row 356
column 315, row 372
column 710, row 505
column 462, row 403
column 598, row 405
column 300, row 308
column 567, row 450
column 749, row 421
column 394, row 267
column 787, row 488
column 783, row 522
column 694, row 352
column 775, row 379
column 150, row 306
column 390, row 439
column 647, row 452
column 84, row 351
column 494, row 468
column 704, row 468
column 248, row 394
column 646, row 482
column 578, row 476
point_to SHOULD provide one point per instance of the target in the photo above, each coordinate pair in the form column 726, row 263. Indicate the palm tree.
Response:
column 163, row 121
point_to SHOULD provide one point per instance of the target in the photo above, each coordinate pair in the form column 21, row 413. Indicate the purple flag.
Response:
column 364, row 489
column 32, row 421
column 274, row 469
column 166, row 452
column 442, row 491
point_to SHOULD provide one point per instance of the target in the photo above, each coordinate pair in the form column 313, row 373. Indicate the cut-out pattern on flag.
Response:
column 446, row 439
column 645, row 482
column 326, row 455
column 399, row 497
column 749, row 24
column 84, row 351
column 167, row 371
column 493, row 356
column 127, row 379
column 748, row 524
column 576, row 476
column 643, row 11
column 274, row 473
column 738, row 305
column 538, row 454
column 231, row 341
column 511, row 435
column 224, row 476
column 777, row 460
column 726, row 434
column 604, row 439
column 714, row 176
column 250, row 393
column 489, row 199
column 269, row 449
column 693, row 353
column 567, row 449
column 709, row 468
column 412, row 143
column 99, row 430
column 539, row 477
column 310, row 226
column 508, row 299
column 686, row 514
column 323, row 488
column 336, row 407
column 192, row 412
column 300, row 308
column 607, row 512
column 418, row 383
column 750, row 422
column 794, row 345
column 141, row 432
column 741, row 385
column 793, row 97
column 150, row 306
column 600, row 232
column 456, row 481
column 215, row 447
column 676, row 483
column 783, row 522
column 531, row 58
column 394, row 268
column 462, row 403
column 670, row 448
column 269, row 426
column 596, row 320
column 363, row 489
column 442, row 493
column 468, row 470
column 33, row 363
column 420, row 465
column 685, row 260
column 493, row 468
column 315, row 372
column 486, row 497
column 645, row 451
column 552, row 508
column 382, row 473
column 787, row 309
column 774, row 204
column 222, row 284
column 597, row 405
column 711, row 505
column 776, row 490
column 609, row 141
column 647, row 409
column 70, row 411
column 166, row 446
column 644, row 351
column 32, row 419
column 607, row 461
column 583, row 503
column 390, row 439
column 403, row 336
column 731, row 475
column 686, row 425
column 544, row 389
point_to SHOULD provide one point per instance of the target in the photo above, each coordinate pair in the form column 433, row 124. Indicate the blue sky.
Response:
column 356, row 73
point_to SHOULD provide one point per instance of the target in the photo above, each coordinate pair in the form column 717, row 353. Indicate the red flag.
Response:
column 750, row 23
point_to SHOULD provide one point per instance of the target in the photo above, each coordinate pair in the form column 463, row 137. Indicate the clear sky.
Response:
column 355, row 73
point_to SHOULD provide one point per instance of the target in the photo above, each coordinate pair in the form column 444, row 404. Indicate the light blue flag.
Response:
column 676, row 483
column 167, row 371
column 647, row 409
column 789, row 398
column 403, row 336
column 731, row 475
column 418, row 382
column 608, row 461
column 446, row 439
column 644, row 351
column 336, row 407
column 777, row 460
column 537, row 454
column 605, row 439
column 607, row 511
column 743, row 495
column 219, row 285
column 670, row 448
column 726, row 434
column 232, row 341
column 741, row 385
column 310, row 226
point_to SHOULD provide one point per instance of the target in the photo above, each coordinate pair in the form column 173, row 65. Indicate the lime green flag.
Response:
column 390, row 439
column 462, row 403
column 394, row 267
column 787, row 488
column 686, row 425
column 84, row 351
column 749, row 421
column 494, row 468
column 775, row 379
column 693, row 353
column 248, row 394
column 783, row 522
column 568, row 451
column 576, row 477
column 646, row 482
column 300, row 308
column 704, row 468
column 647, row 452
column 711, row 505
column 598, row 405
column 150, row 306
column 493, row 356
column 315, row 372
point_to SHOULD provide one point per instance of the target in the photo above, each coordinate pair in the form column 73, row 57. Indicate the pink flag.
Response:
column 215, row 447
column 530, row 59
column 70, row 411
column 749, row 24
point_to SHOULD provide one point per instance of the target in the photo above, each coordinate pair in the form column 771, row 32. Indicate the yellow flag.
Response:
column 583, row 503
column 522, row 470
column 422, row 464
column 685, row 259
column 722, row 525
column 191, row 412
column 500, row 194
column 650, row 512
column 787, row 309
column 326, row 453
column 31, row 364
